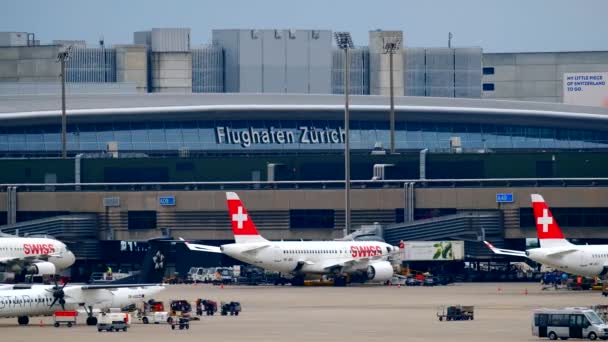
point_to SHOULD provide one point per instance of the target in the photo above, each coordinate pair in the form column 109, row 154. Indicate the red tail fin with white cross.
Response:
column 242, row 226
column 547, row 228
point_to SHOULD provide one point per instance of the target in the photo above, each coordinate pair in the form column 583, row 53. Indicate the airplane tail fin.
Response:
column 242, row 225
column 549, row 233
column 154, row 264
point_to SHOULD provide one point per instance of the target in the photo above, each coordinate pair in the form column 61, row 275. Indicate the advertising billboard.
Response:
column 586, row 88
column 432, row 250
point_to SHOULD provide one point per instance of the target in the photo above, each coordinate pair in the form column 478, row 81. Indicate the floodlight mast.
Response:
column 391, row 45
column 345, row 42
column 62, row 57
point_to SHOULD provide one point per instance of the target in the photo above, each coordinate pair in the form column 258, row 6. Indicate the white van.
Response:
column 568, row 323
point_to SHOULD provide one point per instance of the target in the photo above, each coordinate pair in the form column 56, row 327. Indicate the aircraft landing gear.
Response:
column 91, row 320
column 23, row 320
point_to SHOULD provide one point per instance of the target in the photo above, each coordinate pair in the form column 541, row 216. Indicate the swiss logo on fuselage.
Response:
column 38, row 248
column 365, row 251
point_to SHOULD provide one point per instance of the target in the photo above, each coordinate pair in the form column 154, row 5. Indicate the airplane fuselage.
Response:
column 36, row 301
column 307, row 256
column 587, row 260
column 34, row 248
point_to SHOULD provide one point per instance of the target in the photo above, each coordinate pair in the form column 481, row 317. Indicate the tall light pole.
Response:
column 63, row 56
column 391, row 45
column 345, row 42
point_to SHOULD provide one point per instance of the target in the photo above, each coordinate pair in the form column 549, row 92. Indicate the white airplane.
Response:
column 40, row 256
column 555, row 251
column 24, row 301
column 44, row 300
column 365, row 259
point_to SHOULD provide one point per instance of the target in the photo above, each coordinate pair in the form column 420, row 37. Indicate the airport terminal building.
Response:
column 159, row 128
column 142, row 166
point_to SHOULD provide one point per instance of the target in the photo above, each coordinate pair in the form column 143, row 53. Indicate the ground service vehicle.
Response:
column 456, row 313
column 113, row 321
column 153, row 312
column 568, row 323
column 231, row 308
column 154, row 317
column 181, row 305
column 201, row 275
column 207, row 306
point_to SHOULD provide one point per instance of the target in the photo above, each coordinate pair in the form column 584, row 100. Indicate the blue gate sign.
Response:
column 167, row 200
column 504, row 198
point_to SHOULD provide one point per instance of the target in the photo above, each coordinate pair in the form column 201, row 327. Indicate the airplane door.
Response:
column 277, row 254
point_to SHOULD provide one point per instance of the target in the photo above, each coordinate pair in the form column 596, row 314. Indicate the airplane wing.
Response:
column 505, row 251
column 354, row 262
column 202, row 248
column 215, row 249
column 112, row 286
column 27, row 259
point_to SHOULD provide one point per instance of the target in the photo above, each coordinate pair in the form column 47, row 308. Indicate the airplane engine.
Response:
column 380, row 271
column 41, row 268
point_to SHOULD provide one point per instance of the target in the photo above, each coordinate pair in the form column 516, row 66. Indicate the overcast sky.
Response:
column 496, row 26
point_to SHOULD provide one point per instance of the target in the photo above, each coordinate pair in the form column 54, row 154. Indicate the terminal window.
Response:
column 426, row 213
column 311, row 219
column 142, row 219
column 488, row 71
column 488, row 87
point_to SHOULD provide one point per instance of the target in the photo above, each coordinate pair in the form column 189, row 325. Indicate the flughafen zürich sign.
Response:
column 247, row 137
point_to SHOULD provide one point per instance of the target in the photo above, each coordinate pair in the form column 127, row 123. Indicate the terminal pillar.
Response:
column 11, row 205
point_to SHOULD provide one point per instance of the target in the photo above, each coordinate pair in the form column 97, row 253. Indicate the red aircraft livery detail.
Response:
column 365, row 251
column 38, row 248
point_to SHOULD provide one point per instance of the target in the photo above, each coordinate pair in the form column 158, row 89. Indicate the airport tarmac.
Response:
column 356, row 313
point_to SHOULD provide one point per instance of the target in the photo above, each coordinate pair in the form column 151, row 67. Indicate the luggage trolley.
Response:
column 65, row 317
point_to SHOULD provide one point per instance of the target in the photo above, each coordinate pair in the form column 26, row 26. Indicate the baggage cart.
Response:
column 456, row 313
column 65, row 317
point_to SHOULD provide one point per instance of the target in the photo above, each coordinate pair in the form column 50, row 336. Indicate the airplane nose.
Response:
column 71, row 258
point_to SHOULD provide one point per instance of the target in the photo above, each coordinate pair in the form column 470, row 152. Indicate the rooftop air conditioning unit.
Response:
column 112, row 148
column 456, row 144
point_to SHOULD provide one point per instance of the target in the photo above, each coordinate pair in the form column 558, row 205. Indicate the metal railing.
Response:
column 317, row 185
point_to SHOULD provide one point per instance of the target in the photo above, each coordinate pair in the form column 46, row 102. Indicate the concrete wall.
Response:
column 132, row 65
column 29, row 64
column 537, row 76
column 202, row 214
column 13, row 38
column 171, row 72
column 379, row 72
column 276, row 61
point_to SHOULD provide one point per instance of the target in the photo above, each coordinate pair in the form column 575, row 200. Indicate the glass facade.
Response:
column 96, row 65
column 298, row 135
